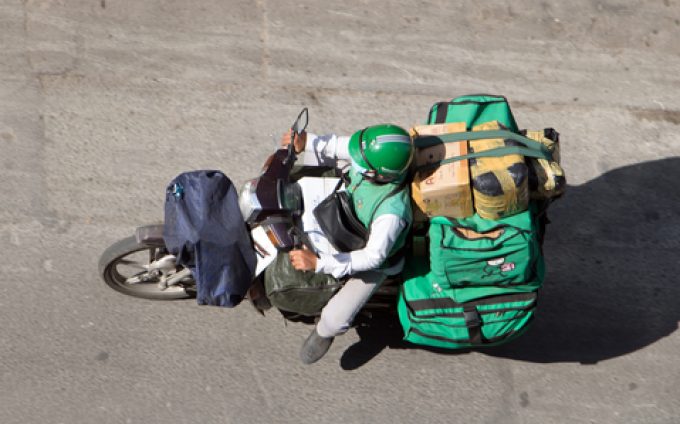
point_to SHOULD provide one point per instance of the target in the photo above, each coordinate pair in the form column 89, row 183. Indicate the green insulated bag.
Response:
column 481, row 288
column 479, row 283
column 430, row 315
column 473, row 253
column 473, row 109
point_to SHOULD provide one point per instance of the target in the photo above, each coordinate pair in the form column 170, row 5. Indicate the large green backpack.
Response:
column 479, row 285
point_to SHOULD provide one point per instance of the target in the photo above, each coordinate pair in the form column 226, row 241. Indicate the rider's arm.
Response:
column 384, row 232
column 325, row 150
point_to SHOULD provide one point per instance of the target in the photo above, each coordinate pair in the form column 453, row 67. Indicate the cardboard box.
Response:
column 443, row 190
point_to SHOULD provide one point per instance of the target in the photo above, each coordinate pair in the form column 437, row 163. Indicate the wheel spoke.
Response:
column 131, row 264
column 135, row 279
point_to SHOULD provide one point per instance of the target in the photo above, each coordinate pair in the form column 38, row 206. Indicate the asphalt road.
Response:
column 102, row 102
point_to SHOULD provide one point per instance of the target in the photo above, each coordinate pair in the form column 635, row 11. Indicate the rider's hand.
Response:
column 303, row 260
column 299, row 143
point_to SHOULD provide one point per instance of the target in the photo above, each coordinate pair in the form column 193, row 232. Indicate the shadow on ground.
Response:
column 611, row 286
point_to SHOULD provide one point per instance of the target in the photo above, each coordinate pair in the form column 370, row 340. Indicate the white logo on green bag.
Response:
column 496, row 267
column 507, row 267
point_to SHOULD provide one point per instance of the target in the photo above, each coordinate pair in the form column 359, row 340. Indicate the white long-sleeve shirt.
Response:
column 331, row 150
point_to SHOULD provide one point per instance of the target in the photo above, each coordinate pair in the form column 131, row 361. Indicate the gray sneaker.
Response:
column 315, row 347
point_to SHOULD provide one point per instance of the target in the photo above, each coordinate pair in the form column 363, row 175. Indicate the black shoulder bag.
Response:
column 338, row 221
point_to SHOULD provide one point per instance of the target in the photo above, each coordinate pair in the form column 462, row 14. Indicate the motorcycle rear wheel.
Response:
column 125, row 261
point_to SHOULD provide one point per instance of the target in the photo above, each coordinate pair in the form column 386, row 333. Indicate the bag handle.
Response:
column 337, row 186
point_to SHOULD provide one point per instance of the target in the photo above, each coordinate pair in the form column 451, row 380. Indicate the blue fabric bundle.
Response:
column 205, row 230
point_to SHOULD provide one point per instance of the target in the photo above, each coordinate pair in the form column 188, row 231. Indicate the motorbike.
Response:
column 274, row 206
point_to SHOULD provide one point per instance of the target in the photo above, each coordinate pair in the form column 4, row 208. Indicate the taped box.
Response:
column 499, row 184
column 442, row 190
column 546, row 177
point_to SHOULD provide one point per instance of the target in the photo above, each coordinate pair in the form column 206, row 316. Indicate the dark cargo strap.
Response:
column 533, row 148
column 442, row 111
column 520, row 310
column 448, row 303
column 473, row 322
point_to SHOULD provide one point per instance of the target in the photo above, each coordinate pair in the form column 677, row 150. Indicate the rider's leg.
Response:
column 338, row 314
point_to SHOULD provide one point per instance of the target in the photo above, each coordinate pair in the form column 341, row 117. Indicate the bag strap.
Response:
column 432, row 140
column 473, row 322
column 533, row 149
column 442, row 111
column 340, row 181
column 399, row 187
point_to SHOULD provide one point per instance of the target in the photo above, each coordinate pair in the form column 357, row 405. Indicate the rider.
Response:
column 380, row 156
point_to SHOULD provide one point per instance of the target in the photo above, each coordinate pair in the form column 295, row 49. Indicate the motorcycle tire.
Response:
column 130, row 255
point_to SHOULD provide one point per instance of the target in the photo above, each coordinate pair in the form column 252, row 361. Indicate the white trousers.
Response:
column 338, row 314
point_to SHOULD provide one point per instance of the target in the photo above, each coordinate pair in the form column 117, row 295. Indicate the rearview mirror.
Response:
column 301, row 122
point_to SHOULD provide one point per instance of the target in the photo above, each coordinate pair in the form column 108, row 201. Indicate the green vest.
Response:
column 366, row 196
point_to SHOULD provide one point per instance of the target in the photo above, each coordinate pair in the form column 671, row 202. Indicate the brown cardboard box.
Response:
column 445, row 190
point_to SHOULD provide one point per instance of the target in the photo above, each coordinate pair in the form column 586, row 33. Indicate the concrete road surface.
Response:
column 102, row 102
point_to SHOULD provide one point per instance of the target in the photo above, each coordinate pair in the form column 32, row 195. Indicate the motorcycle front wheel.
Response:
column 124, row 267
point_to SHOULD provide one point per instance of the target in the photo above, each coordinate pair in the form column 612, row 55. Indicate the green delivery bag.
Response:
column 474, row 252
column 430, row 315
column 480, row 288
column 473, row 109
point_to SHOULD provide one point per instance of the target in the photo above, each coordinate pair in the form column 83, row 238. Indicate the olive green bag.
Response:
column 300, row 292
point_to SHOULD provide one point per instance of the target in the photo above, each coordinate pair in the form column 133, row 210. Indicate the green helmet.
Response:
column 384, row 150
